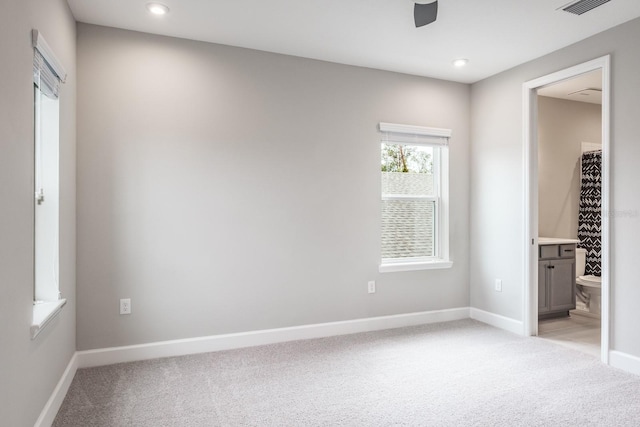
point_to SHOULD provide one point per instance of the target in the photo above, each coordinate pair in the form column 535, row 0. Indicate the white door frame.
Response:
column 530, row 149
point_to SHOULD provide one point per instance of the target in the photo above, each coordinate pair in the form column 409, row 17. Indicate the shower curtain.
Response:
column 590, row 213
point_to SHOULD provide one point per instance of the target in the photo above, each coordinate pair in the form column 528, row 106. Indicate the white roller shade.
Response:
column 414, row 135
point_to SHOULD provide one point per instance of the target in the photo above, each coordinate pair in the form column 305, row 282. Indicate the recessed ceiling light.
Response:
column 157, row 8
column 460, row 62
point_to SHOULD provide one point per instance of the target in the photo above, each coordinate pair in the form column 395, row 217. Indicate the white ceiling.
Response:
column 494, row 35
column 574, row 89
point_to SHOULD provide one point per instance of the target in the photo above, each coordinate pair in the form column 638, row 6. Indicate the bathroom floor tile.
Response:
column 578, row 332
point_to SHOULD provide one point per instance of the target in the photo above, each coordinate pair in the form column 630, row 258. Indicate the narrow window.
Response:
column 47, row 76
column 47, row 204
column 414, row 199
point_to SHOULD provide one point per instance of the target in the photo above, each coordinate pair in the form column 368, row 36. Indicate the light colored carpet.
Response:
column 461, row 373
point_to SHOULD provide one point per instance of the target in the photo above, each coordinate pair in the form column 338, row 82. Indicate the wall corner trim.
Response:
column 502, row 322
column 624, row 361
column 182, row 347
column 51, row 408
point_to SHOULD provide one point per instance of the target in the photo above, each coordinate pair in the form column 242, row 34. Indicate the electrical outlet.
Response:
column 125, row 306
column 371, row 286
column 498, row 285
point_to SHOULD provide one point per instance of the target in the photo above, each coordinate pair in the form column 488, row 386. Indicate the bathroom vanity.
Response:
column 556, row 277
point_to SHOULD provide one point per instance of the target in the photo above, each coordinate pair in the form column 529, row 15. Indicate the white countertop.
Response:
column 556, row 241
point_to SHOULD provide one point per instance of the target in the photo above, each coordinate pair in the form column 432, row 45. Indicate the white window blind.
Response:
column 48, row 73
column 392, row 133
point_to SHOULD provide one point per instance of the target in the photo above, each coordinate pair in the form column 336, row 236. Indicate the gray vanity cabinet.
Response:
column 556, row 280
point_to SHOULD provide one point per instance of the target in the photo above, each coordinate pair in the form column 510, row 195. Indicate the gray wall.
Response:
column 29, row 370
column 562, row 127
column 497, row 229
column 226, row 190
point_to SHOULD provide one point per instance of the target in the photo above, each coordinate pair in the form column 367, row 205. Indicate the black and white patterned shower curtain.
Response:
column 590, row 214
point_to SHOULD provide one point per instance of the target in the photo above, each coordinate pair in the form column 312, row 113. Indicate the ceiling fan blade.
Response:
column 424, row 14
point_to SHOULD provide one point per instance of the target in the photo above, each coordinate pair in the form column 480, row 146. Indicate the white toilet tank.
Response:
column 581, row 261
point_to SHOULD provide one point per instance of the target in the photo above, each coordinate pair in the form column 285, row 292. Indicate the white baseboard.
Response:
column 109, row 356
column 624, row 361
column 502, row 322
column 54, row 403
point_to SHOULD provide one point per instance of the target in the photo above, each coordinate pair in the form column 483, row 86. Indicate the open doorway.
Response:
column 552, row 214
column 569, row 211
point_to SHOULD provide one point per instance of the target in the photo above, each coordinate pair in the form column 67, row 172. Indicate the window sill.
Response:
column 43, row 313
column 414, row 266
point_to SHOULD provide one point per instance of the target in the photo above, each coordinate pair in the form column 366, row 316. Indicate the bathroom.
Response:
column 569, row 200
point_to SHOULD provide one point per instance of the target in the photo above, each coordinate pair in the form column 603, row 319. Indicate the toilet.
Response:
column 588, row 288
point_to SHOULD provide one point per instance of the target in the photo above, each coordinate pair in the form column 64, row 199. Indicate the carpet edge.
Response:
column 183, row 347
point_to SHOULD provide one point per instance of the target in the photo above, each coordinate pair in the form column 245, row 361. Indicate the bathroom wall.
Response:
column 562, row 127
column 497, row 180
column 227, row 190
column 30, row 369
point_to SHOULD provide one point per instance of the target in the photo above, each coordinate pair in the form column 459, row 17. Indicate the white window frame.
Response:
column 48, row 73
column 438, row 139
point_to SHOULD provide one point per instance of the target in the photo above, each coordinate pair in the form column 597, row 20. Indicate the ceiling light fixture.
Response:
column 459, row 63
column 157, row 8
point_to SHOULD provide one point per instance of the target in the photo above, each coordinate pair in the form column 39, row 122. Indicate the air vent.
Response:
column 583, row 6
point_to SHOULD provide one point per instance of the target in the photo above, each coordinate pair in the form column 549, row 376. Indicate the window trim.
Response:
column 43, row 313
column 48, row 74
column 402, row 264
column 437, row 138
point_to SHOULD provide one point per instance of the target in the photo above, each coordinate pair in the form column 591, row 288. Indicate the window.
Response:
column 47, row 76
column 414, row 199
